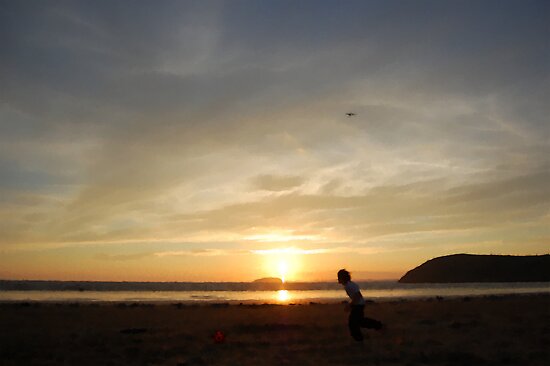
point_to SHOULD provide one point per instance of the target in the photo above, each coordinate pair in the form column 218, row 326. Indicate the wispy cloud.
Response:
column 281, row 237
column 332, row 250
column 285, row 251
column 269, row 182
column 199, row 253
column 121, row 257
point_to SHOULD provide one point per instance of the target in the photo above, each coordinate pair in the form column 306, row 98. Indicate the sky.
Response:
column 209, row 141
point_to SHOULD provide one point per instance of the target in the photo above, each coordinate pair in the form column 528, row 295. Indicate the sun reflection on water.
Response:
column 283, row 295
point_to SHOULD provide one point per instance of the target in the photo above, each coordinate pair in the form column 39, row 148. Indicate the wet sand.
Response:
column 509, row 330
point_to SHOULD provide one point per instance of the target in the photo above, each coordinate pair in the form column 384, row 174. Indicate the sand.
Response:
column 510, row 330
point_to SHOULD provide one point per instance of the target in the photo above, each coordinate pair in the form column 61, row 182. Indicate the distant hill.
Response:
column 481, row 268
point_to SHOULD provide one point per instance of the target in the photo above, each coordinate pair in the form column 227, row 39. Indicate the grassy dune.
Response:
column 513, row 330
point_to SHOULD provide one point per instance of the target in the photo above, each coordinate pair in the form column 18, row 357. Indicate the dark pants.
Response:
column 357, row 321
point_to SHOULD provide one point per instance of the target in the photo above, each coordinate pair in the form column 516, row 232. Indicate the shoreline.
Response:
column 259, row 297
column 312, row 301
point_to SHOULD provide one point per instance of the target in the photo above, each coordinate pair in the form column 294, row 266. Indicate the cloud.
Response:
column 332, row 250
column 391, row 210
column 195, row 252
column 272, row 251
column 121, row 257
column 275, row 183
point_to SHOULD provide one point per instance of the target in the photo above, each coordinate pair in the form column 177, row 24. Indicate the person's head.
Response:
column 343, row 276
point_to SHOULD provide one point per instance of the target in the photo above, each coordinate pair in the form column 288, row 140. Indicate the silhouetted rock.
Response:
column 269, row 280
column 268, row 283
column 481, row 268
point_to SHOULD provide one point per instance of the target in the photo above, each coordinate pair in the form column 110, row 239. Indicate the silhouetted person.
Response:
column 356, row 320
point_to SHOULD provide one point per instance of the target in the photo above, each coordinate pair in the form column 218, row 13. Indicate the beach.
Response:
column 495, row 330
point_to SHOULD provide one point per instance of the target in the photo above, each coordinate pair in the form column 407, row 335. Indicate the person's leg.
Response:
column 367, row 322
column 354, row 322
column 371, row 323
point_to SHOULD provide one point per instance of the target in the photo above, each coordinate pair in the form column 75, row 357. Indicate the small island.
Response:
column 268, row 283
column 481, row 268
column 269, row 280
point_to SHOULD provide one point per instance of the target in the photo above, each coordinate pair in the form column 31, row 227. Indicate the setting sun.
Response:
column 281, row 263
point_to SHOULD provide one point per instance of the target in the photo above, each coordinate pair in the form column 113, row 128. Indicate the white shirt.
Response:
column 351, row 289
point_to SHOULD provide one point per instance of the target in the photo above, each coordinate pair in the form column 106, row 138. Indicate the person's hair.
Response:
column 344, row 275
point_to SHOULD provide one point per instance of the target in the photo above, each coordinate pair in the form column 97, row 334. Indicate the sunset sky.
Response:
column 208, row 141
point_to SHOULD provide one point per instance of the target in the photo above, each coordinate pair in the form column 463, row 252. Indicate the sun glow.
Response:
column 283, row 265
column 283, row 269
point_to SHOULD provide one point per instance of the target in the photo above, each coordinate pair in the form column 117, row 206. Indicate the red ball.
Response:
column 219, row 337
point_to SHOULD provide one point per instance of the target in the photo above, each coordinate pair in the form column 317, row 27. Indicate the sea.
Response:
column 249, row 293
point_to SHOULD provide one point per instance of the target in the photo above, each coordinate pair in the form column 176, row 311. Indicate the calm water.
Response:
column 379, row 291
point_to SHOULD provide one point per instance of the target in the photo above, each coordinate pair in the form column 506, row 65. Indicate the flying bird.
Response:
column 350, row 114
